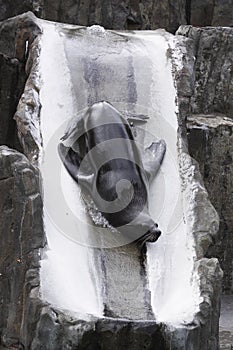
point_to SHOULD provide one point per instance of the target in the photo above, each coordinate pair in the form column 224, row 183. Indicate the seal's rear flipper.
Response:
column 153, row 157
column 137, row 118
column 70, row 159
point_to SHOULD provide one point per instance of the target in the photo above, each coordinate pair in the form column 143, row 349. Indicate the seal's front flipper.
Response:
column 153, row 157
column 70, row 159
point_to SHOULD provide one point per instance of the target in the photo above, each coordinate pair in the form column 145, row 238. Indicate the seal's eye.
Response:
column 131, row 124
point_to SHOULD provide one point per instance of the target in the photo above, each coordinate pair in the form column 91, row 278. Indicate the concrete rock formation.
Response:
column 126, row 14
column 211, row 144
column 11, row 87
column 118, row 14
column 210, row 13
column 111, row 14
column 210, row 125
column 16, row 37
column 25, row 322
column 213, row 75
column 22, row 236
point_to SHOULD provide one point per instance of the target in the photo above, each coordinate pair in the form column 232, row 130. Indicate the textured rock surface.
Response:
column 202, row 214
column 12, row 8
column 110, row 14
column 119, row 265
column 211, row 144
column 201, row 12
column 128, row 14
column 27, row 115
column 226, row 326
column 21, row 236
column 210, row 285
column 119, row 14
column 204, row 219
column 12, row 79
column 211, row 13
column 57, row 331
column 14, row 33
column 210, row 129
column 223, row 14
column 213, row 89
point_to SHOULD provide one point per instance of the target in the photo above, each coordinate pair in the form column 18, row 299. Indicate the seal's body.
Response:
column 100, row 153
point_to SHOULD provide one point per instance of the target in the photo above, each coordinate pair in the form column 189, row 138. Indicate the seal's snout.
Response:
column 150, row 236
column 153, row 234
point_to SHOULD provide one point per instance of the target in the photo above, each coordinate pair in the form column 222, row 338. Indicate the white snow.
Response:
column 69, row 279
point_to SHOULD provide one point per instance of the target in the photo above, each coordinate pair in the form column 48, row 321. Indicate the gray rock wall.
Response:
column 21, row 223
column 21, row 236
column 128, row 14
column 213, row 85
column 119, row 14
column 209, row 125
column 211, row 13
column 110, row 14
column 13, row 55
column 203, row 216
column 12, row 82
column 211, row 143
column 58, row 331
